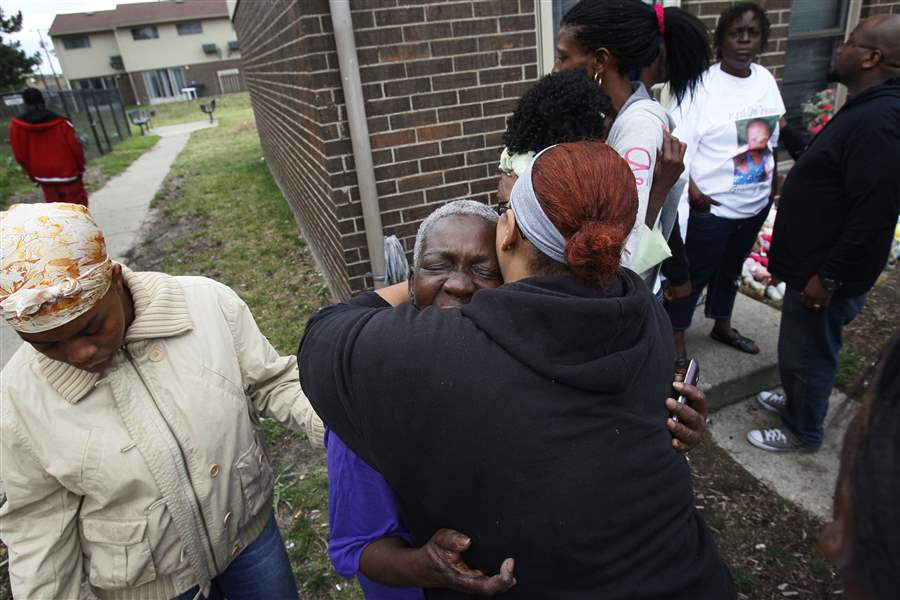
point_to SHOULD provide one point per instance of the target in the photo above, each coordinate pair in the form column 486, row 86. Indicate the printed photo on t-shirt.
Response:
column 753, row 162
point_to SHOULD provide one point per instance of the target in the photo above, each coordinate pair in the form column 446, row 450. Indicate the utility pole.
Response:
column 49, row 60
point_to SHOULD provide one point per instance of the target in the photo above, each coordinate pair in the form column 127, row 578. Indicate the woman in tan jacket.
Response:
column 129, row 446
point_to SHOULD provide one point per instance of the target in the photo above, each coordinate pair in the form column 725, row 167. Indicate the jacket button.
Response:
column 227, row 518
column 156, row 354
column 214, row 470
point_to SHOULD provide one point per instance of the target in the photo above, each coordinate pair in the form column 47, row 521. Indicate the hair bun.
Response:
column 593, row 253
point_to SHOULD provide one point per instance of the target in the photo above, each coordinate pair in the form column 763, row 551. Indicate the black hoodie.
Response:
column 839, row 203
column 532, row 420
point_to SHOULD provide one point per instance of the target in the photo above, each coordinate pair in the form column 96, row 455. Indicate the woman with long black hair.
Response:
column 625, row 45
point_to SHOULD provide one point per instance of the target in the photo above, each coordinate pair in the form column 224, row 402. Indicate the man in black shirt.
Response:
column 836, row 219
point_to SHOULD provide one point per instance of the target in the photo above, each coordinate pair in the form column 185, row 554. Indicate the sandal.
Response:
column 738, row 342
column 681, row 366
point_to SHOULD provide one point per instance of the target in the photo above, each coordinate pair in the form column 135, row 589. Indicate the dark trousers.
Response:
column 809, row 342
column 72, row 192
column 262, row 570
column 716, row 249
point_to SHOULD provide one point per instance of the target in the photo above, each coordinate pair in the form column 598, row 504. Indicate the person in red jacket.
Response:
column 45, row 145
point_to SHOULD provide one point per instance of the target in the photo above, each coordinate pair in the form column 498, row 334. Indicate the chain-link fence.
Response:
column 98, row 115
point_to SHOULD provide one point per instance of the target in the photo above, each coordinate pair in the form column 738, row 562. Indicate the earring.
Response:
column 598, row 79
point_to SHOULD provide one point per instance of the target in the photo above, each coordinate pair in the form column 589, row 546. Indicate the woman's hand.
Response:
column 690, row 428
column 442, row 566
column 669, row 167
column 669, row 162
column 698, row 200
column 678, row 292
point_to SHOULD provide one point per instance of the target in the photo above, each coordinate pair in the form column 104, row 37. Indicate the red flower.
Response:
column 828, row 107
column 826, row 118
column 815, row 129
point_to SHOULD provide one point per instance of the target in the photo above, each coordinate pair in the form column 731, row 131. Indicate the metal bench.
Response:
column 209, row 109
column 141, row 118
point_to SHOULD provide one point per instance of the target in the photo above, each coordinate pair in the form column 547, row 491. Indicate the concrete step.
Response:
column 807, row 479
column 726, row 374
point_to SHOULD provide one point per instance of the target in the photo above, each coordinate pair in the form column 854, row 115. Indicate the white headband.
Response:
column 532, row 219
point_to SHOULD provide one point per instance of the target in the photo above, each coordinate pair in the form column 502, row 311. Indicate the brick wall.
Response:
column 439, row 79
column 880, row 7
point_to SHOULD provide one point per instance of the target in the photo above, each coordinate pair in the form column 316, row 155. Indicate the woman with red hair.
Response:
column 530, row 418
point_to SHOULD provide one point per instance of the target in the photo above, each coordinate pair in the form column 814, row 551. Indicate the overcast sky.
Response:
column 38, row 14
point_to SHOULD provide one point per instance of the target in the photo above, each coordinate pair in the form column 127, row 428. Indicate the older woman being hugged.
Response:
column 530, row 418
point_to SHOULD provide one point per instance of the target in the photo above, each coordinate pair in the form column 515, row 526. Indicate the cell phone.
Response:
column 691, row 376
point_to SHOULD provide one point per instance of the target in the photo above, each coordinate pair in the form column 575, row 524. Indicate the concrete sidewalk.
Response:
column 731, row 380
column 121, row 206
column 805, row 479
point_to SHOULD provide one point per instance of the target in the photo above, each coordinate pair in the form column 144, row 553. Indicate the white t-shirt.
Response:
column 730, row 126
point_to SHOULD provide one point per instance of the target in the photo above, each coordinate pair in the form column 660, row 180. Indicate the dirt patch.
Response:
column 35, row 197
column 160, row 231
column 769, row 544
column 246, row 127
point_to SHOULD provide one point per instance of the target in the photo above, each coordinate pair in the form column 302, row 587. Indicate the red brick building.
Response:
column 439, row 78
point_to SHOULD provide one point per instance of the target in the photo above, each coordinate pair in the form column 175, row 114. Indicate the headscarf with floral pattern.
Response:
column 53, row 265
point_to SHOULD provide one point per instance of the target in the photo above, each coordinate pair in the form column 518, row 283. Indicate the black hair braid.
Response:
column 876, row 487
column 732, row 14
column 561, row 107
column 630, row 31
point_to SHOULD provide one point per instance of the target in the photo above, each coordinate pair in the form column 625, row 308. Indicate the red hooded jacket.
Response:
column 46, row 146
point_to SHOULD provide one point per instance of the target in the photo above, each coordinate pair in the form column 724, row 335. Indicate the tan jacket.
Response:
column 153, row 477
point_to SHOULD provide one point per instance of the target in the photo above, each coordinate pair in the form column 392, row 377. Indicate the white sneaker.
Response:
column 772, row 402
column 777, row 439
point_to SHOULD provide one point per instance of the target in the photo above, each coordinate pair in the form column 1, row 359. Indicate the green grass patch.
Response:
column 175, row 113
column 14, row 182
column 745, row 581
column 233, row 225
column 850, row 367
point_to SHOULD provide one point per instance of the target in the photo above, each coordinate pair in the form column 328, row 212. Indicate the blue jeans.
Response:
column 262, row 570
column 716, row 248
column 808, row 346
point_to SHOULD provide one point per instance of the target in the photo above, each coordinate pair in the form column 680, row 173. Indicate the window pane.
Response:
column 189, row 28
column 76, row 41
column 144, row 33
column 560, row 8
column 814, row 15
column 805, row 72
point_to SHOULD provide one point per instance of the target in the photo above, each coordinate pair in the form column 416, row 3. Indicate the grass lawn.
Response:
column 15, row 185
column 173, row 113
column 221, row 215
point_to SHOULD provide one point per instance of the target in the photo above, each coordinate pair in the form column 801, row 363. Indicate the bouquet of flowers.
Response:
column 818, row 110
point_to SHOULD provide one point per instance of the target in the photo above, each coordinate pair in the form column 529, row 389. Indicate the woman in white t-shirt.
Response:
column 730, row 126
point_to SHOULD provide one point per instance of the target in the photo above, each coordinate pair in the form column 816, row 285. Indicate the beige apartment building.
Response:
column 152, row 52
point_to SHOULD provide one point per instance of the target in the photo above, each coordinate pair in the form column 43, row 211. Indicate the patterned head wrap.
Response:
column 53, row 265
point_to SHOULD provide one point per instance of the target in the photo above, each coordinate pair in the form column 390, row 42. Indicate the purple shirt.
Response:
column 362, row 508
